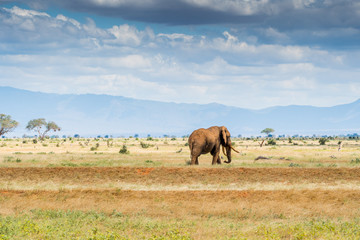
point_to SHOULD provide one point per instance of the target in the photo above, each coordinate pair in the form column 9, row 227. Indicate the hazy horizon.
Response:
column 93, row 114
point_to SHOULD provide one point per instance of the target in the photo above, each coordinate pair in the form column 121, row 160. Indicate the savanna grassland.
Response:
column 99, row 189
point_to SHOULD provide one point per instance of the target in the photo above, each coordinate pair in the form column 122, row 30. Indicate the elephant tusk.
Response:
column 234, row 149
column 223, row 150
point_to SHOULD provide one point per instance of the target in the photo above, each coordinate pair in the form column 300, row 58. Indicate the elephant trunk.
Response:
column 228, row 153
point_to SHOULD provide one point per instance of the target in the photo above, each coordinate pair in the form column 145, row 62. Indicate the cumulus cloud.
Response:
column 34, row 27
column 130, row 35
column 16, row 11
column 60, row 54
column 177, row 36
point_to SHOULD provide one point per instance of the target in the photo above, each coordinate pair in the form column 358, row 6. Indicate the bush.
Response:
column 145, row 145
column 35, row 141
column 124, row 150
column 294, row 165
column 109, row 142
column 356, row 161
column 271, row 142
column 12, row 160
column 322, row 141
column 95, row 148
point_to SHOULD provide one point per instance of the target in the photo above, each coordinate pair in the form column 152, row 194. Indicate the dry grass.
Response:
column 292, row 204
column 164, row 152
column 154, row 186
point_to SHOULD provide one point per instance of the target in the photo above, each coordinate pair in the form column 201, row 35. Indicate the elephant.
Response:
column 202, row 141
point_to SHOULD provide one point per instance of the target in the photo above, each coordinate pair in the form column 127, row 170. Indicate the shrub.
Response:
column 271, row 142
column 12, row 160
column 35, row 141
column 109, row 142
column 294, row 165
column 124, row 150
column 322, row 141
column 95, row 148
column 145, row 145
column 356, row 161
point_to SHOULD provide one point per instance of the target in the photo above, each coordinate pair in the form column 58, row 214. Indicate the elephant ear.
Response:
column 223, row 134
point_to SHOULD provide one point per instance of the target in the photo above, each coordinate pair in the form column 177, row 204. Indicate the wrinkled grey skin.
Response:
column 203, row 141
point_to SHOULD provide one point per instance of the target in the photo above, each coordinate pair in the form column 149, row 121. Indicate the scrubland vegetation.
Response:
column 144, row 188
column 174, row 152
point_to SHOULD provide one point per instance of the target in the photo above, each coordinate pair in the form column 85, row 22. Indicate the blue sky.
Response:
column 251, row 54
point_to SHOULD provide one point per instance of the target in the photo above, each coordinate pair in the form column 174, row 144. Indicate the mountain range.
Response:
column 93, row 115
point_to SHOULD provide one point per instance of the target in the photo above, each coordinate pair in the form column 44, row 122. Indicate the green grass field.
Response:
column 54, row 224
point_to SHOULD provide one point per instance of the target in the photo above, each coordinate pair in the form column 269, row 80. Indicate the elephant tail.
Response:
column 191, row 143
column 194, row 147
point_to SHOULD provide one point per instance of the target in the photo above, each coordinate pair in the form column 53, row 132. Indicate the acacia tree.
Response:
column 42, row 127
column 267, row 131
column 7, row 124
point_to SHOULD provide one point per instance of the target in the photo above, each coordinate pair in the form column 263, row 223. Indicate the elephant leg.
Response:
column 216, row 158
column 194, row 160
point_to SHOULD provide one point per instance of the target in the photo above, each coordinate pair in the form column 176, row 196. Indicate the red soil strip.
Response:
column 175, row 176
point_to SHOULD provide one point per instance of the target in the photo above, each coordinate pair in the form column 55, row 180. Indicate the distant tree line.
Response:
column 39, row 125
column 42, row 127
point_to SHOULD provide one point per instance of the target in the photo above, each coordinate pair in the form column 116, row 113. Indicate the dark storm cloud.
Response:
column 160, row 11
column 281, row 14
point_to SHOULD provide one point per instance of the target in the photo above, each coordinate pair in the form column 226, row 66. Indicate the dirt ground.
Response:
column 179, row 175
column 97, row 193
